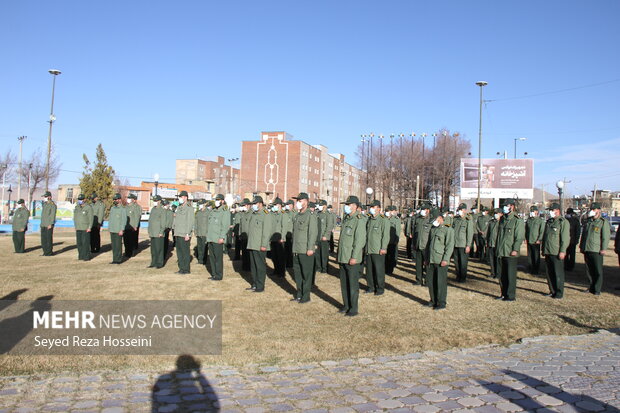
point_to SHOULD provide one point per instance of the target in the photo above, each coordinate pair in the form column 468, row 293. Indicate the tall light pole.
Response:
column 518, row 139
column 364, row 147
column 54, row 73
column 232, row 175
column 19, row 176
column 423, row 135
column 381, row 170
column 482, row 84
column 560, row 186
column 391, row 170
column 156, row 179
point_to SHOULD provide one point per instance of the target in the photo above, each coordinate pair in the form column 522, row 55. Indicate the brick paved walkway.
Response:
column 553, row 373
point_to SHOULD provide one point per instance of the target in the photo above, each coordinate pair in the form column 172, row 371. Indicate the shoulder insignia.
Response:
column 266, row 211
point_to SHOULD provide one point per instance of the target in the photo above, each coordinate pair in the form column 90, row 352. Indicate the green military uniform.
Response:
column 437, row 255
column 156, row 230
column 244, row 227
column 48, row 221
column 260, row 229
column 391, row 258
column 98, row 217
column 324, row 231
column 463, row 236
column 305, row 232
column 20, row 226
column 183, row 227
column 200, row 230
column 474, row 214
column 278, row 255
column 168, row 228
column 575, row 233
column 378, row 239
column 555, row 241
column 408, row 234
column 350, row 247
column 130, row 236
column 331, row 223
column 492, row 245
column 594, row 240
column 236, row 221
column 117, row 221
column 482, row 225
column 421, row 229
column 510, row 236
column 217, row 229
column 448, row 217
column 534, row 229
column 286, row 226
column 83, row 220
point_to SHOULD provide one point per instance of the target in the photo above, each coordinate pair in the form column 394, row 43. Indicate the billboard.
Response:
column 500, row 178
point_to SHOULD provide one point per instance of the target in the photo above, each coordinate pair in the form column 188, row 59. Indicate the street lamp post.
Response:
column 423, row 135
column 54, row 73
column 19, row 175
column 560, row 186
column 482, row 84
column 518, row 139
column 156, row 179
column 232, row 176
column 10, row 191
column 369, row 192
column 363, row 148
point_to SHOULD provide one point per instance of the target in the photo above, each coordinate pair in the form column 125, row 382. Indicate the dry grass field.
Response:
column 269, row 329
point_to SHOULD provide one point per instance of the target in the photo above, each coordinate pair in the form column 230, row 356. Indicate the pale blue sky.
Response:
column 155, row 81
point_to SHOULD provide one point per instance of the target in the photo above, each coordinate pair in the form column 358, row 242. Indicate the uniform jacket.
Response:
column 463, row 231
column 157, row 221
column 556, row 237
column 440, row 245
column 323, row 229
column 378, row 234
column 260, row 229
column 534, row 229
column 183, row 223
column 98, row 213
column 218, row 224
column 48, row 214
column 482, row 224
column 83, row 217
column 305, row 231
column 169, row 218
column 286, row 225
column 244, row 225
column 510, row 235
column 20, row 219
column 117, row 221
column 276, row 222
column 420, row 232
column 492, row 232
column 352, row 238
column 134, row 211
column 200, row 222
column 595, row 236
column 394, row 229
column 575, row 229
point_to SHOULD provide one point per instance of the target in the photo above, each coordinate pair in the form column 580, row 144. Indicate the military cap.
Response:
column 183, row 193
column 302, row 195
column 329, row 206
column 352, row 199
column 510, row 201
column 462, row 206
column 290, row 202
column 322, row 202
column 81, row 197
column 219, row 197
column 375, row 203
column 21, row 201
column 174, row 207
column 245, row 201
column 46, row 194
column 257, row 199
column 157, row 198
column 473, row 207
column 570, row 211
column 553, row 206
column 201, row 201
column 534, row 208
column 425, row 205
column 311, row 205
column 94, row 195
column 498, row 211
column 132, row 196
column 390, row 208
column 595, row 205
column 435, row 212
column 277, row 201
column 164, row 202
column 117, row 196
column 445, row 208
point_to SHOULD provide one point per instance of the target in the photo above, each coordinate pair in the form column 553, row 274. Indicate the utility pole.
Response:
column 54, row 73
column 482, row 84
column 417, row 190
column 19, row 176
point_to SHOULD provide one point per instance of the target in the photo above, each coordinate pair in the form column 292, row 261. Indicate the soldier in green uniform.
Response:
column 378, row 238
column 244, row 228
column 407, row 233
column 173, row 208
column 437, row 256
column 492, row 243
column 305, row 232
column 200, row 230
column 260, row 229
column 350, row 250
column 83, row 221
column 482, row 224
column 130, row 236
column 575, row 233
column 448, row 217
column 473, row 252
column 332, row 224
column 278, row 255
column 555, row 241
column 117, row 221
column 510, row 236
column 287, row 232
column 183, row 227
column 391, row 258
column 236, row 221
column 98, row 217
column 156, row 230
column 48, row 221
column 168, row 226
column 534, row 229
column 20, row 226
column 463, row 225
column 322, row 255
column 217, row 228
column 421, row 227
column 594, row 239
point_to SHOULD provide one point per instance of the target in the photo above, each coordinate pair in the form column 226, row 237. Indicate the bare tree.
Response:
column 8, row 166
column 33, row 172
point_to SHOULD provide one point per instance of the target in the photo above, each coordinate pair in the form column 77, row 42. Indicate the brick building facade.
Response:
column 224, row 179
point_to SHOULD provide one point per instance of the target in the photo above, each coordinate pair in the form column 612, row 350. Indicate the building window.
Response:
column 69, row 196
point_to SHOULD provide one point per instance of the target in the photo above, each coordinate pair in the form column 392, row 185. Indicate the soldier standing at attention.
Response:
column 534, row 229
column 168, row 227
column 183, row 226
column 407, row 233
column 200, row 230
column 277, row 246
column 448, row 216
column 437, row 257
column 575, row 232
column 157, row 227
column 260, row 229
column 556, row 239
column 305, row 230
column 350, row 248
column 492, row 242
column 287, row 232
column 421, row 228
column 236, row 220
column 511, row 233
column 391, row 258
column 20, row 226
column 83, row 221
column 463, row 234
column 117, row 221
column 217, row 228
column 378, row 238
column 332, row 224
column 130, row 236
column 48, row 221
column 244, row 228
column 474, row 219
column 482, row 224
column 98, row 217
column 322, row 256
column 594, row 239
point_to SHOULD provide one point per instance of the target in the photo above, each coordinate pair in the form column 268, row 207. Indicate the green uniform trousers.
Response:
column 569, row 260
column 375, row 273
column 409, row 248
column 129, row 236
column 117, row 247
column 278, row 257
column 201, row 248
column 533, row 258
column 258, row 268
column 47, row 241
column 322, row 256
column 493, row 263
column 350, row 287
column 437, row 280
column 303, row 267
column 19, row 241
column 288, row 250
column 331, row 242
column 166, row 243
column 460, row 264
column 246, row 264
column 216, row 259
column 391, row 258
column 95, row 238
column 82, row 239
column 594, row 261
column 183, row 254
column 555, row 275
column 481, row 247
column 237, row 255
column 508, row 277
column 157, row 252
column 419, row 265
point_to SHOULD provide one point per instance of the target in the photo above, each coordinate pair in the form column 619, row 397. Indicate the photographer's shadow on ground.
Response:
column 14, row 329
column 185, row 389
